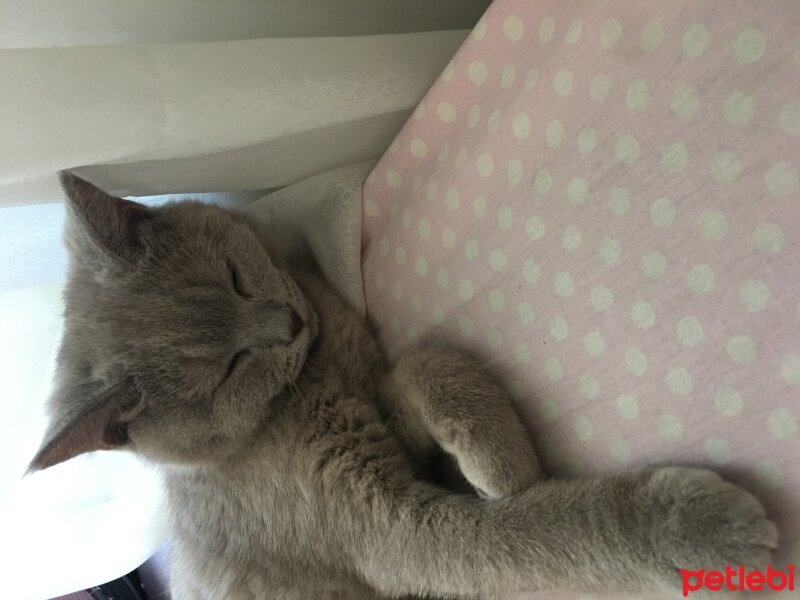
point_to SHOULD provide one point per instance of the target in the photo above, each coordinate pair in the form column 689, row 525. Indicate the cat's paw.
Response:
column 704, row 522
column 499, row 470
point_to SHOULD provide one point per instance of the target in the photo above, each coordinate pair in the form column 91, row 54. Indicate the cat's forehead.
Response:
column 194, row 214
column 186, row 237
column 191, row 223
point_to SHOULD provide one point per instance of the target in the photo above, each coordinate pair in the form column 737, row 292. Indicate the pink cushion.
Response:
column 602, row 199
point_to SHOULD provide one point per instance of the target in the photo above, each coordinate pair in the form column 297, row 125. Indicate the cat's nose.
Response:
column 297, row 324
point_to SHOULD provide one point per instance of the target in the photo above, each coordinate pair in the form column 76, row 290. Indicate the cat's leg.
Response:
column 632, row 532
column 439, row 398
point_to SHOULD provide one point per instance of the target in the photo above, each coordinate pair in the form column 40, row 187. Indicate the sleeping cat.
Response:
column 299, row 463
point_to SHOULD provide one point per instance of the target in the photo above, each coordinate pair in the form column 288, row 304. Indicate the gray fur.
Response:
column 309, row 472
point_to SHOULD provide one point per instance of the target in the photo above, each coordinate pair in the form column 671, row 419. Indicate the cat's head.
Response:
column 180, row 328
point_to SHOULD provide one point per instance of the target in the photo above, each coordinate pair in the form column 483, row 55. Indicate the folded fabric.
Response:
column 207, row 117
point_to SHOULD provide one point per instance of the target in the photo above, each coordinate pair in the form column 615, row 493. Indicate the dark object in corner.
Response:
column 128, row 587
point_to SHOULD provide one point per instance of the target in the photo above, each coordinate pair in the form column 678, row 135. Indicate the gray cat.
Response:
column 299, row 464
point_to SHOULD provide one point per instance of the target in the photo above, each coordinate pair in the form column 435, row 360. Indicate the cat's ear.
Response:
column 110, row 223
column 95, row 426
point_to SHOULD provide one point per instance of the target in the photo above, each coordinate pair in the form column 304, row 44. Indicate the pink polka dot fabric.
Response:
column 602, row 200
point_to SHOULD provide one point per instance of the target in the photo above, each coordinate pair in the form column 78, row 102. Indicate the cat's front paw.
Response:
column 500, row 471
column 704, row 522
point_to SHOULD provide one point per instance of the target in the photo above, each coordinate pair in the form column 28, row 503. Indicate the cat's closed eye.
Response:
column 237, row 281
column 237, row 360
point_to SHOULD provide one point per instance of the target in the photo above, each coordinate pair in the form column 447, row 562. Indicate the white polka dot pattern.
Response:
column 604, row 204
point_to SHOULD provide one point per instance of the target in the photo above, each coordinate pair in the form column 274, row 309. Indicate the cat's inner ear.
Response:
column 111, row 223
column 98, row 426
